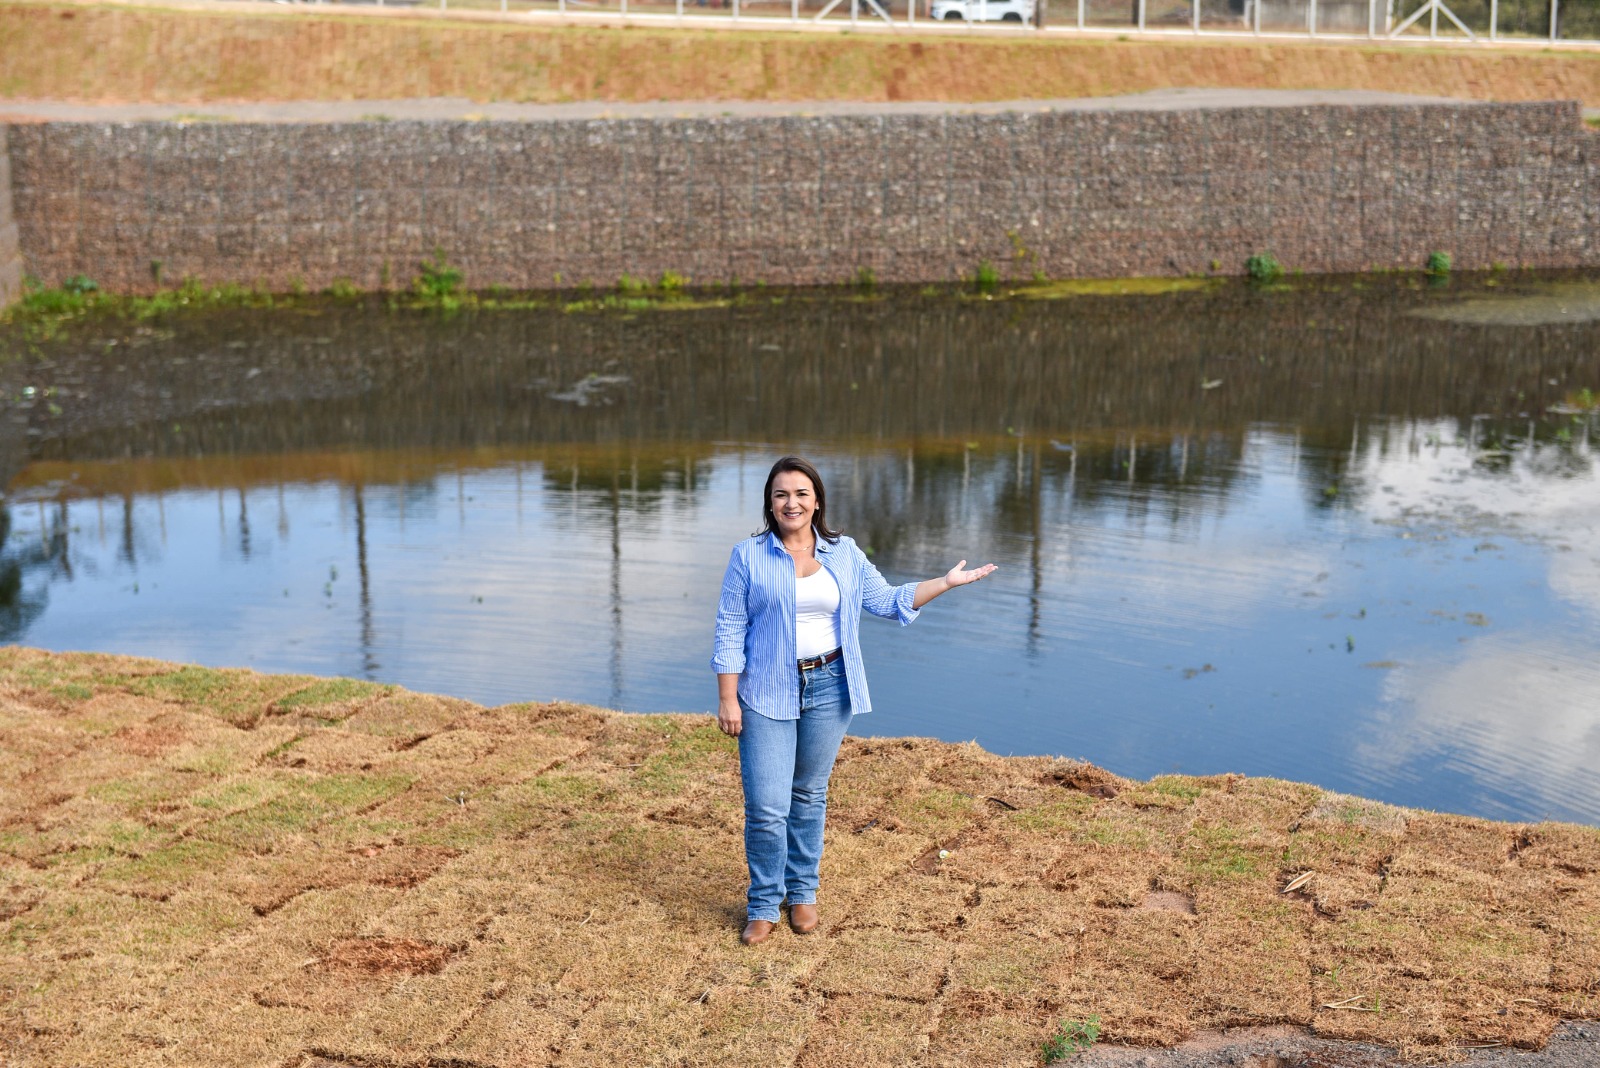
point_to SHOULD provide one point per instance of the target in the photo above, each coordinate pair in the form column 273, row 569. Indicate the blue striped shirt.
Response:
column 755, row 620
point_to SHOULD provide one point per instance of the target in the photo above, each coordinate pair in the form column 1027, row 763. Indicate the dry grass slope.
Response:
column 233, row 869
column 91, row 53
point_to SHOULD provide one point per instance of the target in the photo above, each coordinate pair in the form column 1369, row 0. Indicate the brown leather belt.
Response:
column 817, row 661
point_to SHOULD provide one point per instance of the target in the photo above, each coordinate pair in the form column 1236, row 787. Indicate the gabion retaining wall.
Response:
column 801, row 200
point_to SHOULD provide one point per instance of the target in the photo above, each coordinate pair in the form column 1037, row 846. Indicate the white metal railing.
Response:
column 1475, row 21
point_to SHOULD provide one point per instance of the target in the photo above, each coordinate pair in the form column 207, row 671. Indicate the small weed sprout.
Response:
column 1263, row 267
column 1023, row 254
column 866, row 279
column 987, row 278
column 629, row 284
column 672, row 282
column 1438, row 264
column 1071, row 1038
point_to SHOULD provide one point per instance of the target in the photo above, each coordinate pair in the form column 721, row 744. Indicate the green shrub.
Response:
column 672, row 282
column 1438, row 264
column 866, row 279
column 54, row 302
column 1263, row 267
column 439, row 280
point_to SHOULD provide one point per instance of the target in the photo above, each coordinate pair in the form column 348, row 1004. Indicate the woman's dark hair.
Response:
column 819, row 519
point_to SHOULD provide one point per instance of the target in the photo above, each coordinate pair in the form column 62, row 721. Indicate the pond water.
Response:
column 1342, row 533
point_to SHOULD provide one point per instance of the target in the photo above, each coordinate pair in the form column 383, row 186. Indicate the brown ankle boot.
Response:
column 756, row 932
column 803, row 918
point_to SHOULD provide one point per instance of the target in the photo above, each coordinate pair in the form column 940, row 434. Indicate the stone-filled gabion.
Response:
column 801, row 200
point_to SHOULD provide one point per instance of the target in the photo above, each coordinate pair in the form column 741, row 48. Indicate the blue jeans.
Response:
column 784, row 765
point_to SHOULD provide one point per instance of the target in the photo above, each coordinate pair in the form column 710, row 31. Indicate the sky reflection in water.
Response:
column 1375, row 592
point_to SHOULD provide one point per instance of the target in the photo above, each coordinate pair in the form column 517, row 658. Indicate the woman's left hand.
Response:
column 958, row 577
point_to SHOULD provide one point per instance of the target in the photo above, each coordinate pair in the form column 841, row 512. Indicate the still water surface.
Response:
column 1333, row 535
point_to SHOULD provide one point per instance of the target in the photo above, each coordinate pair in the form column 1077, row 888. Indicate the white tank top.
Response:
column 816, row 614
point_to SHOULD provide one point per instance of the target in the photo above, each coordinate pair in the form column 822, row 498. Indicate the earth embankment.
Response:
column 230, row 52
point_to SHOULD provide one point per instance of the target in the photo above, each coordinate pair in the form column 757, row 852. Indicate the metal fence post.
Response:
column 1195, row 4
column 1080, row 13
column 561, row 6
column 1311, row 18
column 1256, row 18
column 1494, row 20
column 1372, row 19
column 794, row 9
column 1555, row 24
column 1141, row 15
column 624, row 10
column 735, row 9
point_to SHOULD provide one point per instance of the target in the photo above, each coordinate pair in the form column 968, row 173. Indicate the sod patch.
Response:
column 227, row 868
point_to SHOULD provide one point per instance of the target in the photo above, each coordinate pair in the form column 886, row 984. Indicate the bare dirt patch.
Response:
column 1096, row 782
column 1168, row 901
column 148, row 740
column 386, row 956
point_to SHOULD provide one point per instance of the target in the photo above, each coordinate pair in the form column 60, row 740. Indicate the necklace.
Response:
column 802, row 549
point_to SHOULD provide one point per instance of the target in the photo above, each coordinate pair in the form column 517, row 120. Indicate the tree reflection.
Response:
column 27, row 567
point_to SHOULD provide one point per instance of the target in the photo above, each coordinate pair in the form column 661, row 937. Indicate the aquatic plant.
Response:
column 43, row 310
column 1263, row 267
column 342, row 288
column 866, row 279
column 1071, row 1038
column 987, row 279
column 1438, row 264
column 439, row 281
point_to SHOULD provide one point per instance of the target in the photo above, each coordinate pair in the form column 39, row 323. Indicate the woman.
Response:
column 789, row 677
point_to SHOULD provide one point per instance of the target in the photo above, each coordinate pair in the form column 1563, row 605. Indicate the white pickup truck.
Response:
column 985, row 10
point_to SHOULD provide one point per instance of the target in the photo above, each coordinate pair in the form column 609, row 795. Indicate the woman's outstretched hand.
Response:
column 957, row 577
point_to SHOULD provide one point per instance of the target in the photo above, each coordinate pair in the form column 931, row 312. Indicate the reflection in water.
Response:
column 1287, row 534
column 1513, row 718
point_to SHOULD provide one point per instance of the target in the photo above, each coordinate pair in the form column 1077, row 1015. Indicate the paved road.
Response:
column 441, row 108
